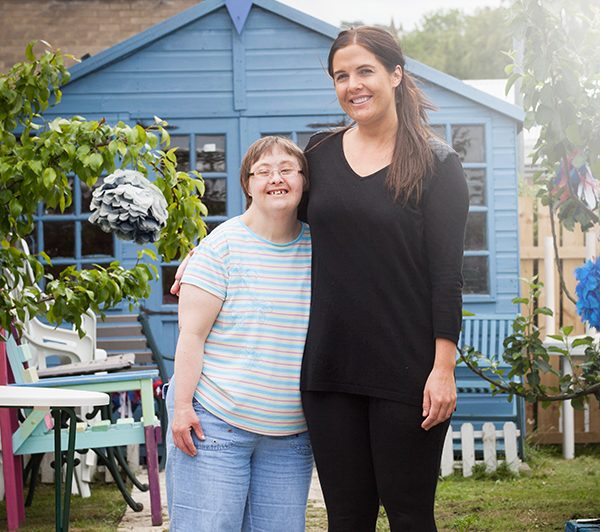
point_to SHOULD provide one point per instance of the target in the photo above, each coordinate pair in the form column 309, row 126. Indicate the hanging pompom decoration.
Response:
column 130, row 206
column 588, row 292
column 575, row 178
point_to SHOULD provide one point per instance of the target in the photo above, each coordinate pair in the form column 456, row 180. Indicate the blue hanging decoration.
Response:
column 238, row 11
column 588, row 292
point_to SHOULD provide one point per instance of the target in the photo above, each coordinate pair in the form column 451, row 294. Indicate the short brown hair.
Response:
column 267, row 145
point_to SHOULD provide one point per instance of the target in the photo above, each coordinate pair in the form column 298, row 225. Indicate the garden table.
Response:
column 56, row 401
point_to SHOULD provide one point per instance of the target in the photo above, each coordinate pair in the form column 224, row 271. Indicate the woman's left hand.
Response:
column 439, row 397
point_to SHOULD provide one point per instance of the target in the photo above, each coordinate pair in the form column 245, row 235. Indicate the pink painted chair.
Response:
column 13, row 465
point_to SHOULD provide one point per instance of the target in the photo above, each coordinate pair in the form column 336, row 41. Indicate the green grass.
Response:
column 556, row 491
column 99, row 513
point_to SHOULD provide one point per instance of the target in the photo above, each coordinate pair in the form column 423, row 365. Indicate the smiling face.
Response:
column 276, row 182
column 364, row 87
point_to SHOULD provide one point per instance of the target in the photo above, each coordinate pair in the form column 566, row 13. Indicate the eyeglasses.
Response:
column 268, row 173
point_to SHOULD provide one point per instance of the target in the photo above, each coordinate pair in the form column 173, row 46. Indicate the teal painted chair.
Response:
column 33, row 435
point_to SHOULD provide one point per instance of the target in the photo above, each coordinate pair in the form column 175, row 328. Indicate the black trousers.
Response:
column 369, row 450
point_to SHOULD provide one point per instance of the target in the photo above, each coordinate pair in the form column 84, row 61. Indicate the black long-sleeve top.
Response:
column 386, row 277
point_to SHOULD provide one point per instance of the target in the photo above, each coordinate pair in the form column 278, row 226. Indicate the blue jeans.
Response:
column 238, row 480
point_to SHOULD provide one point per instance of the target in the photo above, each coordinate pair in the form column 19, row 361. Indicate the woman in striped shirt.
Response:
column 239, row 457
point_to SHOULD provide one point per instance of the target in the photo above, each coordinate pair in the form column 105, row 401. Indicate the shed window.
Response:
column 210, row 153
column 182, row 143
column 67, row 237
column 469, row 141
column 215, row 195
column 206, row 153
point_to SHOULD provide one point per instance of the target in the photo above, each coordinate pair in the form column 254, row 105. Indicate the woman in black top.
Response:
column 387, row 209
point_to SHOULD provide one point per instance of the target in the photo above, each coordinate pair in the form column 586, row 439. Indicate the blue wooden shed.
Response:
column 225, row 73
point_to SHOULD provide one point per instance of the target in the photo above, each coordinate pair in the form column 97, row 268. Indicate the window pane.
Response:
column 439, row 130
column 168, row 276
column 210, row 153
column 303, row 138
column 469, row 143
column 476, row 181
column 475, row 273
column 215, row 196
column 86, row 193
column 68, row 210
column 94, row 241
column 59, row 239
column 182, row 143
column 475, row 237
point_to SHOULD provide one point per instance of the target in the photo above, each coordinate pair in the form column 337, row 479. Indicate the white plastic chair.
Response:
column 46, row 341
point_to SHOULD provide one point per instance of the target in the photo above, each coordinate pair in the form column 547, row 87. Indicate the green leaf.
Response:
column 520, row 301
column 15, row 208
column 48, row 177
column 566, row 330
column 588, row 340
column 141, row 133
column 36, row 166
column 95, row 161
column 46, row 257
column 29, row 51
column 544, row 310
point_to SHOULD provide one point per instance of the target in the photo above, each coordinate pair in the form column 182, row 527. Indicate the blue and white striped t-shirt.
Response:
column 253, row 353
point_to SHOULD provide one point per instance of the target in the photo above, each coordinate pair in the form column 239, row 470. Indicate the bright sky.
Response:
column 407, row 13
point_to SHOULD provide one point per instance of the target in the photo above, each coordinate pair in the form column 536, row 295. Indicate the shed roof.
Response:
column 143, row 39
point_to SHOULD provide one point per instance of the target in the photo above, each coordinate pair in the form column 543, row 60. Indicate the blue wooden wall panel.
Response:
column 284, row 68
column 275, row 60
column 506, row 222
column 505, row 181
column 507, row 283
column 302, row 102
column 161, row 63
column 504, row 199
column 146, row 105
column 199, row 39
column 507, row 262
column 506, row 243
column 503, row 158
column 150, row 83
column 284, row 80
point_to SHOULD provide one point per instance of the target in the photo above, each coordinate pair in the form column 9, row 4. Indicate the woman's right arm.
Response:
column 198, row 310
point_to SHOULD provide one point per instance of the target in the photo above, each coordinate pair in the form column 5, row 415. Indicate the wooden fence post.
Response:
column 467, row 442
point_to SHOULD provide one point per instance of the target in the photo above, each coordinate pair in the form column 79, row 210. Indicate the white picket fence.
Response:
column 489, row 436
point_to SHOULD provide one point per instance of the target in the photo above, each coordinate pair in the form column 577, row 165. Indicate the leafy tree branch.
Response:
column 36, row 160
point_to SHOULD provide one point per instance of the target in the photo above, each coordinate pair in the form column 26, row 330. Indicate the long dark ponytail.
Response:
column 412, row 158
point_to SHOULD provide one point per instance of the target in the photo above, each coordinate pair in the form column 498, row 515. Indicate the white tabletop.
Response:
column 49, row 397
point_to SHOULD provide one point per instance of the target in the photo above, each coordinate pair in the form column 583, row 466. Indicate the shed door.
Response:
column 210, row 146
